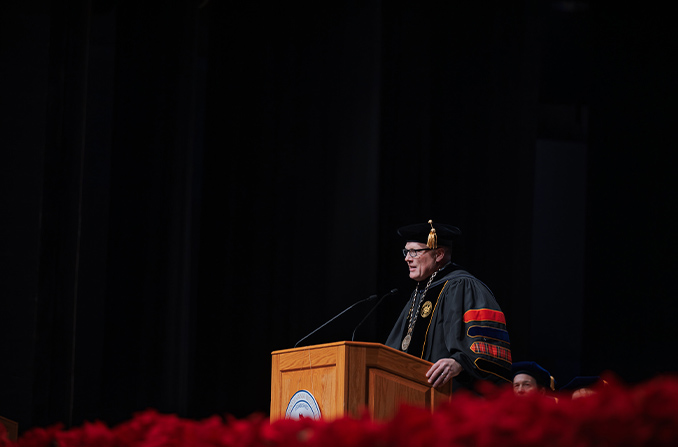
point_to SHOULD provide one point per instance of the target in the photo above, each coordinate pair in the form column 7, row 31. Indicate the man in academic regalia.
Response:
column 451, row 319
column 530, row 377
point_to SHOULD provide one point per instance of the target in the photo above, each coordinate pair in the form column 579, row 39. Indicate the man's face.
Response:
column 524, row 384
column 424, row 264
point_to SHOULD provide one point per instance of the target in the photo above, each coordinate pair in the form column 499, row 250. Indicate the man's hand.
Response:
column 442, row 371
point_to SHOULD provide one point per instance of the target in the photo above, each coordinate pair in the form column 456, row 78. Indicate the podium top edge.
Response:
column 336, row 343
column 363, row 344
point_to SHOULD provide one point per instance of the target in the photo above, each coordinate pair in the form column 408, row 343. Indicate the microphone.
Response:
column 392, row 292
column 369, row 298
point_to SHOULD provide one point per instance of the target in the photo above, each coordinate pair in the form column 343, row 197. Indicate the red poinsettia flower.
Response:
column 289, row 432
column 614, row 415
column 39, row 437
column 411, row 426
column 347, row 432
column 244, row 432
column 90, row 434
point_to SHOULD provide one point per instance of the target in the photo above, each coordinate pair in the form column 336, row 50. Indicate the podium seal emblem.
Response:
column 302, row 404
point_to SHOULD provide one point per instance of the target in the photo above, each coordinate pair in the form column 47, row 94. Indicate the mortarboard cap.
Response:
column 533, row 369
column 433, row 235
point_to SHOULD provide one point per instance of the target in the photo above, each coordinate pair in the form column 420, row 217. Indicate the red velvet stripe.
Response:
column 484, row 315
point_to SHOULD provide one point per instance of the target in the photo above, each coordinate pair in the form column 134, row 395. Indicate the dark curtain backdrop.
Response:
column 190, row 185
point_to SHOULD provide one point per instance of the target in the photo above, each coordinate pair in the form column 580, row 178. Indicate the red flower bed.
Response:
column 643, row 415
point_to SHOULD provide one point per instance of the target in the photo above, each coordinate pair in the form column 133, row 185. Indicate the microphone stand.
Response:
column 392, row 292
column 370, row 298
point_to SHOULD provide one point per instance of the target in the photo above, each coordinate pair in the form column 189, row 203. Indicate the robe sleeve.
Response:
column 475, row 331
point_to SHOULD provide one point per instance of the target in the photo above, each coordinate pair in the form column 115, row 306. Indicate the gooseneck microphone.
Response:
column 370, row 298
column 392, row 292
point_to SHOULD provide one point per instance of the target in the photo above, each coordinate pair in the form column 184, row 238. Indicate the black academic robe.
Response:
column 464, row 323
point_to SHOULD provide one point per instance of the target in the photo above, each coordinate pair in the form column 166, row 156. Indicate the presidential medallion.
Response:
column 406, row 342
column 426, row 309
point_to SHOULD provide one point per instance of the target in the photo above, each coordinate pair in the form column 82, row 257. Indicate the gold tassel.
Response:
column 432, row 241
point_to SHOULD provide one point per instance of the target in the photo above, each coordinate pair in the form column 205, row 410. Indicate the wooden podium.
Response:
column 345, row 377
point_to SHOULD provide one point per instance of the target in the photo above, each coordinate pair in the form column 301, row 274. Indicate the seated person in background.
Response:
column 581, row 386
column 530, row 377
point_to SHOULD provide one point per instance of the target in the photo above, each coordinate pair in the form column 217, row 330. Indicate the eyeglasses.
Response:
column 414, row 252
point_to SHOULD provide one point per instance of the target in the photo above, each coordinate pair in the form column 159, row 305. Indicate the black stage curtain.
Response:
column 190, row 185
